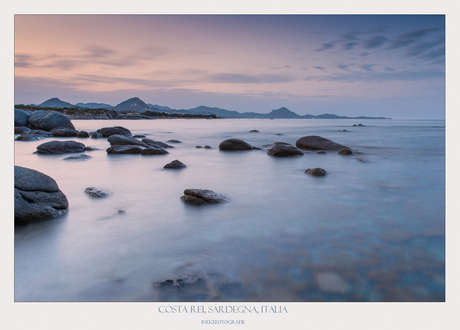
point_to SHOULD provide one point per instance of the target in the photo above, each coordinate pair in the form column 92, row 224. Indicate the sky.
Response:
column 354, row 65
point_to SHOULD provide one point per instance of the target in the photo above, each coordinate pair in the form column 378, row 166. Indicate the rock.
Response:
column 253, row 131
column 21, row 117
column 60, row 147
column 139, row 136
column 119, row 130
column 316, row 171
column 82, row 134
column 77, row 158
column 120, row 140
column 234, row 144
column 345, row 152
column 174, row 141
column 34, row 135
column 96, row 192
column 199, row 147
column 175, row 164
column 125, row 149
column 154, row 151
column 281, row 149
column 63, row 132
column 278, row 134
column 157, row 144
column 207, row 147
column 359, row 125
column 47, row 120
column 95, row 135
column 36, row 196
column 203, row 196
column 22, row 129
column 361, row 160
column 314, row 142
column 321, row 152
column 90, row 148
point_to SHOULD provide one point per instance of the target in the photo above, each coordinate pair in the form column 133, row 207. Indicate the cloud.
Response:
column 367, row 67
column 350, row 45
column 384, row 76
column 97, row 52
column 374, row 42
column 22, row 61
column 319, row 68
column 325, row 47
column 240, row 78
column 422, row 47
column 435, row 54
column 343, row 67
column 408, row 38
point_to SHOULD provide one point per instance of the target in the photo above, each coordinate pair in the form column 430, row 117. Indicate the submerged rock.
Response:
column 234, row 144
column 314, row 142
column 175, row 164
column 203, row 196
column 96, row 192
column 36, row 197
column 345, row 152
column 253, row 131
column 281, row 149
column 321, row 152
column 60, row 147
column 77, row 158
column 317, row 171
column 174, row 141
column 119, row 130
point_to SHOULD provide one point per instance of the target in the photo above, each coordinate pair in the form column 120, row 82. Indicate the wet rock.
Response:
column 234, row 144
column 175, row 164
column 21, row 117
column 125, row 149
column 95, row 135
column 359, row 125
column 21, row 129
column 278, row 134
column 253, row 131
column 345, row 152
column 157, row 144
column 82, row 134
column 116, row 130
column 199, row 147
column 63, row 132
column 174, row 141
column 77, row 158
column 34, row 135
column 317, row 171
column 281, row 149
column 321, row 152
column 203, row 196
column 154, row 151
column 47, row 120
column 60, row 147
column 314, row 142
column 90, row 148
column 119, row 140
column 361, row 160
column 139, row 136
column 207, row 147
column 97, row 192
column 36, row 197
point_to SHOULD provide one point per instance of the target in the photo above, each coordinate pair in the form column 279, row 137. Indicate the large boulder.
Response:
column 203, row 196
column 47, row 120
column 119, row 130
column 281, row 149
column 154, row 151
column 125, row 149
column 157, row 144
column 234, row 144
column 21, row 117
column 60, row 147
column 36, row 196
column 63, row 132
column 123, row 140
column 313, row 142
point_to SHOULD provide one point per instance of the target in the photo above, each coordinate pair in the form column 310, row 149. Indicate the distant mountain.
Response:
column 134, row 104
column 56, row 103
column 282, row 113
column 159, row 107
column 95, row 105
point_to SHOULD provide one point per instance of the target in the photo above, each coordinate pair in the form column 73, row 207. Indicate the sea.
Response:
column 371, row 230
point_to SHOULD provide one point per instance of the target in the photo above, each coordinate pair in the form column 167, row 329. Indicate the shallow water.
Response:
column 367, row 231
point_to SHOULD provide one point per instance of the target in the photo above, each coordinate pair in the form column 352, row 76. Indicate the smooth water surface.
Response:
column 372, row 229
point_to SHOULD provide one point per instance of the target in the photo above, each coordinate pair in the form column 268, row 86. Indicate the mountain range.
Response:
column 136, row 105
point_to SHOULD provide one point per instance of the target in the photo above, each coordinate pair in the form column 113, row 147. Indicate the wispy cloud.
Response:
column 408, row 38
column 367, row 67
column 240, row 78
column 325, row 46
column 319, row 68
column 374, row 42
column 384, row 76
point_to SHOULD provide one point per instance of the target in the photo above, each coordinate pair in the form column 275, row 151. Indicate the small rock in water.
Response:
column 317, row 171
column 321, row 152
column 361, row 160
column 96, row 192
column 95, row 135
column 234, row 144
column 253, row 131
column 77, row 158
column 83, row 134
column 175, row 164
column 203, row 196
column 174, row 141
column 121, row 212
column 345, row 152
column 199, row 147
column 139, row 136
column 207, row 147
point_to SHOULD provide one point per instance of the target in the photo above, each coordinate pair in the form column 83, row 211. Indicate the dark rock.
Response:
column 361, row 160
column 34, row 135
column 90, row 148
column 82, row 134
column 21, row 117
column 316, row 171
column 199, row 147
column 253, row 131
column 121, row 212
column 22, row 129
column 154, row 151
column 60, row 147
column 77, row 158
column 345, row 152
column 314, row 142
column 234, row 144
column 47, row 120
column 119, row 130
column 139, row 136
column 202, row 196
column 281, row 149
column 157, row 144
column 174, row 141
column 175, row 164
column 207, row 147
column 321, row 152
column 359, row 125
column 278, row 134
column 125, row 149
column 95, row 135
column 63, row 132
column 120, row 140
column 96, row 192
column 256, row 148
column 36, row 196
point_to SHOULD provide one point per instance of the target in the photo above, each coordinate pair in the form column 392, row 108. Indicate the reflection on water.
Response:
column 367, row 231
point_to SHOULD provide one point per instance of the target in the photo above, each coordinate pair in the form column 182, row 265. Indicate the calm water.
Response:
column 367, row 231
